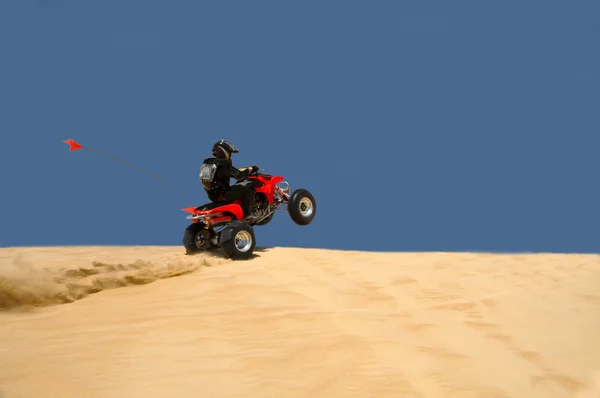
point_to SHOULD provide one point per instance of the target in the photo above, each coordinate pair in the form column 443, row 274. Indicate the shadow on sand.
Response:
column 219, row 254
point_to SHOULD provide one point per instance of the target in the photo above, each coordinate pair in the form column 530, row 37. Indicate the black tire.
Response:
column 227, row 240
column 302, row 207
column 196, row 238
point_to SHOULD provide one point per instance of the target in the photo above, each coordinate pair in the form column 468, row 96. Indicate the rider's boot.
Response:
column 248, row 207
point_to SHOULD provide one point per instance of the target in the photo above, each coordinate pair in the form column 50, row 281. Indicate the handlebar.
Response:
column 254, row 170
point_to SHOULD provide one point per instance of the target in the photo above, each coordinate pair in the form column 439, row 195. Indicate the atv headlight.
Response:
column 286, row 187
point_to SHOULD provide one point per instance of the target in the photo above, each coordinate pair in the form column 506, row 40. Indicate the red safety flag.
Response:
column 73, row 145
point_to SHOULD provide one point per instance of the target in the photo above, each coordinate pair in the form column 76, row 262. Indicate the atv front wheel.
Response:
column 302, row 207
column 196, row 238
column 237, row 240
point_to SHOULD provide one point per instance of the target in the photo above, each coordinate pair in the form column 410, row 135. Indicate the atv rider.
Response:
column 215, row 175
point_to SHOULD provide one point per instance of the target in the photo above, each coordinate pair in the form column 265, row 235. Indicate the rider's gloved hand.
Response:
column 254, row 168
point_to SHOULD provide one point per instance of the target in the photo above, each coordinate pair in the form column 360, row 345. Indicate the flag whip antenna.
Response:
column 74, row 145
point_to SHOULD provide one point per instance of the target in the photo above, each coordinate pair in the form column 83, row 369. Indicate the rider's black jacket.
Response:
column 225, row 171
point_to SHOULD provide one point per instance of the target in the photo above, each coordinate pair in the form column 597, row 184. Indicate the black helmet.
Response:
column 223, row 149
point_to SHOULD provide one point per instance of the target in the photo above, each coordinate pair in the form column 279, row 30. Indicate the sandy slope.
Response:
column 297, row 323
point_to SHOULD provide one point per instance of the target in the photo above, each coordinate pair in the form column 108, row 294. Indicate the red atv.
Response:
column 219, row 226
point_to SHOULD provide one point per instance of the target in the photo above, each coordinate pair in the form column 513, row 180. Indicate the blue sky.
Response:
column 418, row 126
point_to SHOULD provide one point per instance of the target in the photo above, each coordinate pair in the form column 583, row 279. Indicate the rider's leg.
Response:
column 246, row 191
column 213, row 197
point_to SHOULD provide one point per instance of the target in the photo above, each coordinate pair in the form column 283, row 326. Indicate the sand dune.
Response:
column 114, row 322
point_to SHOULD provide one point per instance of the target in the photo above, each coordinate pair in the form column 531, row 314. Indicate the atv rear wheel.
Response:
column 302, row 207
column 196, row 238
column 237, row 240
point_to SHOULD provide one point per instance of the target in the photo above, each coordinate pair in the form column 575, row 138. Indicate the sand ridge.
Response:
column 114, row 322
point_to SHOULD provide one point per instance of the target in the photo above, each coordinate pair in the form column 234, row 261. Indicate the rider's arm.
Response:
column 239, row 174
